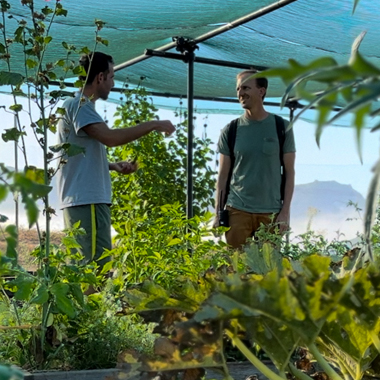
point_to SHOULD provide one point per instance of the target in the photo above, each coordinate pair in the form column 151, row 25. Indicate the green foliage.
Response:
column 49, row 300
column 101, row 335
column 159, row 243
column 94, row 340
column 312, row 303
column 161, row 177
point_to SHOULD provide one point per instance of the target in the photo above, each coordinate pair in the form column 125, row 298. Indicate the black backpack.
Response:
column 231, row 136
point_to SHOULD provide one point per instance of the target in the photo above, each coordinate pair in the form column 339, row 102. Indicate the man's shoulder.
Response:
column 280, row 117
column 71, row 101
column 230, row 124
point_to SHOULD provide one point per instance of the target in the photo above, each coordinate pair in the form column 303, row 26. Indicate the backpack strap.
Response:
column 280, row 128
column 231, row 138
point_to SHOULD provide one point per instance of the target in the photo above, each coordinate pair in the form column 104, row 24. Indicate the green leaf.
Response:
column 3, row 218
column 60, row 63
column 61, row 12
column 61, row 94
column 358, row 103
column 42, row 295
column 77, row 293
column 356, row 2
column 50, row 320
column 31, row 211
column 70, row 242
column 174, row 242
column 276, row 339
column 107, row 267
column 47, row 11
column 363, row 67
column 264, row 261
column 29, row 187
column 69, row 149
column 7, row 79
column 64, row 304
column 3, row 192
column 24, row 287
column 371, row 206
column 79, row 70
column 47, row 39
column 12, row 134
column 16, row 107
column 35, row 174
column 31, row 63
column 61, row 111
column 79, row 83
column 11, row 239
column 59, row 288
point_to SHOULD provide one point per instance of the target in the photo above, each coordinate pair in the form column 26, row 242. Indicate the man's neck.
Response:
column 89, row 92
column 256, row 114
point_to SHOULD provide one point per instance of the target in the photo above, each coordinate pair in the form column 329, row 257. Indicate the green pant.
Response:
column 95, row 219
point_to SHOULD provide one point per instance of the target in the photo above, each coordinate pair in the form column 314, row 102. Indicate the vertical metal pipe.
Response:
column 190, row 132
column 291, row 115
column 16, row 196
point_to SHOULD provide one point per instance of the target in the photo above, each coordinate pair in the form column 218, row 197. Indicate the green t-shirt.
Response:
column 256, row 178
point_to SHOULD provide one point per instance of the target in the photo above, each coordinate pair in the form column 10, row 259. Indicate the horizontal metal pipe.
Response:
column 208, row 61
column 242, row 20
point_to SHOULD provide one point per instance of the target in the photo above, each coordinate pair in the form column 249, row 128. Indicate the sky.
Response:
column 336, row 159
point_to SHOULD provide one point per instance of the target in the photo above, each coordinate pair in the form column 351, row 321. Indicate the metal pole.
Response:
column 190, row 132
column 291, row 114
column 16, row 197
column 207, row 61
column 231, row 25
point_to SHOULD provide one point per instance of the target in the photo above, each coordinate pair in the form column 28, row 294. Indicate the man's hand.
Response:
column 123, row 167
column 283, row 221
column 164, row 126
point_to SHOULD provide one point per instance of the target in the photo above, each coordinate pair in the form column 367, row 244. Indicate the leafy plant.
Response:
column 161, row 177
column 159, row 243
column 56, row 289
column 279, row 305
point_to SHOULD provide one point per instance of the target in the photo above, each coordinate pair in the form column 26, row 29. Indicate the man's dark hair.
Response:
column 260, row 82
column 95, row 63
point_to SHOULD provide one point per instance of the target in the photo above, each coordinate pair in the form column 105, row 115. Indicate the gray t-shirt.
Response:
column 256, row 177
column 85, row 178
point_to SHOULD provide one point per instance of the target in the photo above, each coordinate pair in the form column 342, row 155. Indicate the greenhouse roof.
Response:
column 303, row 30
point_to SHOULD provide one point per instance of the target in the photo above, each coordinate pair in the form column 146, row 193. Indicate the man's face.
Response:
column 248, row 93
column 106, row 83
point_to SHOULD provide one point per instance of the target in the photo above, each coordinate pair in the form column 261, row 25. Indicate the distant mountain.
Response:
column 324, row 205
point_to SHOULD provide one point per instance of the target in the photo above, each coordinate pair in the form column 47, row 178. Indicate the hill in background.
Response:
column 328, row 208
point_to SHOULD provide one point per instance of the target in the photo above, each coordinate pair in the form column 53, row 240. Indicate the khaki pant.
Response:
column 243, row 225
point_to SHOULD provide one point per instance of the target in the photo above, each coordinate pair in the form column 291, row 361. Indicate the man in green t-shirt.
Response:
column 254, row 194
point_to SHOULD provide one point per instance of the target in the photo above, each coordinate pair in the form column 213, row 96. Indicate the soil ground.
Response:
column 28, row 241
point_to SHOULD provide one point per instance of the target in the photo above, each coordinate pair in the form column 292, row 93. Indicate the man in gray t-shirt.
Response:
column 84, row 184
column 254, row 194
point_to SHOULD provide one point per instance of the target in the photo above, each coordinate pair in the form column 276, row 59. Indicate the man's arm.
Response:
column 221, row 184
column 116, row 137
column 283, row 216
